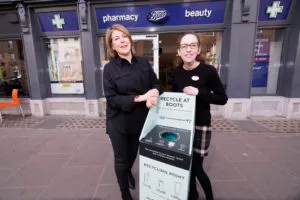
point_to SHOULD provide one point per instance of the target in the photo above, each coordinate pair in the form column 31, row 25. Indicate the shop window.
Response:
column 13, row 73
column 65, row 66
column 267, row 61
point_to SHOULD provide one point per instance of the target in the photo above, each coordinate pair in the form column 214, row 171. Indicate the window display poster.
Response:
column 70, row 63
column 64, row 62
column 261, row 62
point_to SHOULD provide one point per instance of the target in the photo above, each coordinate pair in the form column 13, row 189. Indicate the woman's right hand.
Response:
column 152, row 101
column 151, row 93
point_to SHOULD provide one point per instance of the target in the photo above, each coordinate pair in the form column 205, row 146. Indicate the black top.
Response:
column 122, row 82
column 206, row 79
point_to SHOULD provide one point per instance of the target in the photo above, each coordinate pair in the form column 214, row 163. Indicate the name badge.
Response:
column 195, row 78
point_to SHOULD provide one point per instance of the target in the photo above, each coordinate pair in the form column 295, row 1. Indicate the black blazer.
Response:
column 122, row 82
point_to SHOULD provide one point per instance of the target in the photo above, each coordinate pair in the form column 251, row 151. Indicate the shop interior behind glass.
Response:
column 168, row 58
column 210, row 47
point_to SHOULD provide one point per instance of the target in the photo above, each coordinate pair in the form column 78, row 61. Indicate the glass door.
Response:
column 147, row 46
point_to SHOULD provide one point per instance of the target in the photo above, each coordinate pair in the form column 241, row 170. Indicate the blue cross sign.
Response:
column 271, row 10
column 58, row 21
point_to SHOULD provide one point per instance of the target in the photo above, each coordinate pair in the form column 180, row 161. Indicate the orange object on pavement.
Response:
column 14, row 103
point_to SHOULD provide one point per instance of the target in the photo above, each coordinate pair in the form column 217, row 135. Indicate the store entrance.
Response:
column 147, row 46
column 161, row 51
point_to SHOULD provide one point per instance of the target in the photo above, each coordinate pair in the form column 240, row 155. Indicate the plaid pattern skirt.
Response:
column 202, row 140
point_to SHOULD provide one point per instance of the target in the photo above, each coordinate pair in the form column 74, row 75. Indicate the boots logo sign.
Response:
column 172, row 14
column 158, row 16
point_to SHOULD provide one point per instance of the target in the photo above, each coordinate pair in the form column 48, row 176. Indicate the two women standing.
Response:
column 131, row 87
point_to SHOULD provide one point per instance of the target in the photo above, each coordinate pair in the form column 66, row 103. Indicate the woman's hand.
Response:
column 151, row 93
column 190, row 90
column 152, row 101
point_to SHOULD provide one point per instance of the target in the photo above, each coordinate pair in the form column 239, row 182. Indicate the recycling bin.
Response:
column 166, row 145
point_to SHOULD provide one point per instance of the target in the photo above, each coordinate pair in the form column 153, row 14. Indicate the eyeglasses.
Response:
column 192, row 46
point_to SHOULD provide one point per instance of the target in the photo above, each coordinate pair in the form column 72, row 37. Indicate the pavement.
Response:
column 70, row 158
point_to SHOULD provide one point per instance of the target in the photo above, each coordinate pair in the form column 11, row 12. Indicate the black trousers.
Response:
column 198, row 171
column 125, row 149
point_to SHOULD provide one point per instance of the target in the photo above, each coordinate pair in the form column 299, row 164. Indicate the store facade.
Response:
column 58, row 51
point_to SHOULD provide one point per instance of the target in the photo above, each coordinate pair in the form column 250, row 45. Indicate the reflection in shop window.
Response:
column 211, row 43
column 266, row 61
column 13, row 74
column 65, row 66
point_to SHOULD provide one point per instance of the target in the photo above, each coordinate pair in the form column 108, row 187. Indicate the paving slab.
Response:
column 109, row 176
column 98, row 135
column 20, row 193
column 38, row 172
column 17, row 121
column 292, row 142
column 74, row 183
column 51, row 122
column 236, row 150
column 235, row 190
column 250, row 126
column 270, row 180
column 64, row 144
column 5, row 174
column 91, row 154
column 219, row 168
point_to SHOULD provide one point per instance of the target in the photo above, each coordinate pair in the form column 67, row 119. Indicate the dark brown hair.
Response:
column 108, row 39
column 200, row 57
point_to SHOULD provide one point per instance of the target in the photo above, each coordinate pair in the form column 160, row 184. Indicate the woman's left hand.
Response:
column 190, row 90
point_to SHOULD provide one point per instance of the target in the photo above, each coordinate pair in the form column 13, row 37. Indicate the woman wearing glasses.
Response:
column 194, row 77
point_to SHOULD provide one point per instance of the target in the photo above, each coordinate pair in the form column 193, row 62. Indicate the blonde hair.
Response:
column 108, row 39
column 200, row 57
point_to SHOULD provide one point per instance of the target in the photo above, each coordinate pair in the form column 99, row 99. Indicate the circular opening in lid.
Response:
column 169, row 136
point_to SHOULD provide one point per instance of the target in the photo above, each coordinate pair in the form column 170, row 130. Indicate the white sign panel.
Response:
column 67, row 88
column 160, row 181
column 166, row 148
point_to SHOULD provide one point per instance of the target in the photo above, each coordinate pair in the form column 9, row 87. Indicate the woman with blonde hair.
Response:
column 194, row 77
column 131, row 87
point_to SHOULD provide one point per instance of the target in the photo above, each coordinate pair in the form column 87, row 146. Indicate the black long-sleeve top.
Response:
column 122, row 82
column 211, row 91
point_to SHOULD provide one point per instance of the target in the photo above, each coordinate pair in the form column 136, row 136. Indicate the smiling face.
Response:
column 189, row 48
column 121, row 43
